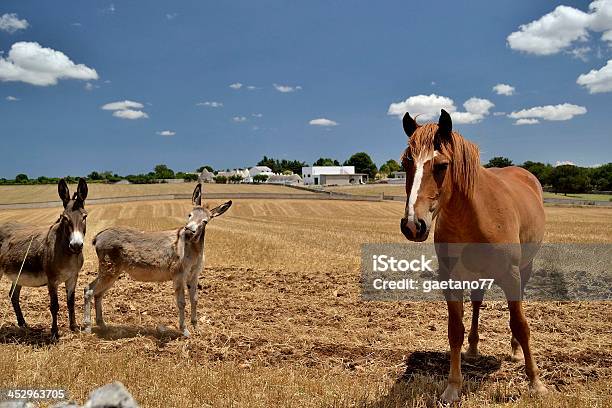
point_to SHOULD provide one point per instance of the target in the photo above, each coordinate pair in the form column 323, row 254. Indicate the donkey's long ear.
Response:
column 64, row 193
column 217, row 211
column 82, row 189
column 196, row 198
column 409, row 124
column 445, row 129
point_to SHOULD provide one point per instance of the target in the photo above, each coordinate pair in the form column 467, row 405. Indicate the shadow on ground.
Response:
column 33, row 336
column 161, row 334
column 424, row 379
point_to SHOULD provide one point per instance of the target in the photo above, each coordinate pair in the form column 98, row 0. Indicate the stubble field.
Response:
column 282, row 323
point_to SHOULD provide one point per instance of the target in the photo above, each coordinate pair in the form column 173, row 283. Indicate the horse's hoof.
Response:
column 451, row 393
column 471, row 353
column 186, row 333
column 537, row 389
column 517, row 358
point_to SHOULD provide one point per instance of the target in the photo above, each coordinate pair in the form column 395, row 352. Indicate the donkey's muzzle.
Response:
column 414, row 230
column 76, row 247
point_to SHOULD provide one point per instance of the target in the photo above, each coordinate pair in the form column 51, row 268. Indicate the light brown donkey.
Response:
column 499, row 208
column 54, row 254
column 176, row 255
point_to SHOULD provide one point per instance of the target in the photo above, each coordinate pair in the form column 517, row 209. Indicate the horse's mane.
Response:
column 464, row 155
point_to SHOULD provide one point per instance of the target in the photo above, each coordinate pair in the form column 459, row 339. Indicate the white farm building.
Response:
column 332, row 175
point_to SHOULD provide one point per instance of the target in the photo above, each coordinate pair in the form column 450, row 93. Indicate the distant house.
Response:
column 206, row 176
column 288, row 179
column 244, row 173
column 397, row 177
column 257, row 170
column 332, row 175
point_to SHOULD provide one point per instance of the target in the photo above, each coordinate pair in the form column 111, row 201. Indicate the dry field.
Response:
column 48, row 192
column 282, row 323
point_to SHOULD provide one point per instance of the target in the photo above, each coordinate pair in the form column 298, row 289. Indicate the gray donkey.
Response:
column 54, row 254
column 176, row 255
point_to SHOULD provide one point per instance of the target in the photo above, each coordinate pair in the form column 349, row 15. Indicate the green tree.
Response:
column 260, row 178
column 540, row 170
column 163, row 172
column 601, row 177
column 569, row 179
column 94, row 175
column 326, row 161
column 236, row 178
column 389, row 167
column 499, row 161
column 363, row 164
column 220, row 179
column 21, row 178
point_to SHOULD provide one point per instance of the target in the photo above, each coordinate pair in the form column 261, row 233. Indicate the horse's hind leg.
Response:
column 520, row 331
column 476, row 296
column 517, row 353
column 16, row 291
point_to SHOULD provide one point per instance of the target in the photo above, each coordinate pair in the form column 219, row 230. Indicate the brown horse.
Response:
column 471, row 204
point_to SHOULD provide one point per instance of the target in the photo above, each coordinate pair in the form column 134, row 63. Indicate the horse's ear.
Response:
column 64, row 193
column 445, row 123
column 196, row 199
column 409, row 124
column 82, row 190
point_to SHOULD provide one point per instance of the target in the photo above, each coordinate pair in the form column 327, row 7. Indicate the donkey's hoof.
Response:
column 186, row 333
column 537, row 389
column 451, row 393
column 87, row 330
column 517, row 358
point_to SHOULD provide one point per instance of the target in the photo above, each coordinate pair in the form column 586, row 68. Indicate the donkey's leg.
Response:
column 16, row 290
column 54, row 307
column 455, row 338
column 179, row 294
column 193, row 299
column 520, row 330
column 70, row 288
column 100, row 286
column 473, row 337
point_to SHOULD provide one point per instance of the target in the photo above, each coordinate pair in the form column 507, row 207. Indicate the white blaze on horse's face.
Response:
column 419, row 163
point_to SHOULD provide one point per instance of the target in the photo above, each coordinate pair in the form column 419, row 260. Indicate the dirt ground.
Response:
column 282, row 322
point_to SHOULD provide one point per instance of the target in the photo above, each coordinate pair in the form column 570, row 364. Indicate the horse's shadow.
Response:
column 41, row 336
column 425, row 378
column 33, row 336
column 162, row 336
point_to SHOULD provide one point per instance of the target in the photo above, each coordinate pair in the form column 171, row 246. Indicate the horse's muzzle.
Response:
column 414, row 231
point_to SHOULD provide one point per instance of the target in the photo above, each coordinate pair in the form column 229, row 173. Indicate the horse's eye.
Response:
column 440, row 167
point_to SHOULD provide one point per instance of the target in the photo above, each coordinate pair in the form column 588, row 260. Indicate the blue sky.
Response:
column 346, row 62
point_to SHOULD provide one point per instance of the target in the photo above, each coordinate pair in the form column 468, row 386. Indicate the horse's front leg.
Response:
column 70, row 295
column 455, row 338
column 473, row 338
column 54, row 307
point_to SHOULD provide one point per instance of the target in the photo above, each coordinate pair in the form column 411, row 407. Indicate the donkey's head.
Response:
column 72, row 220
column 201, row 215
column 438, row 163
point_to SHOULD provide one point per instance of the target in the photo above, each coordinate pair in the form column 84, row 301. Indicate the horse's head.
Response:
column 437, row 162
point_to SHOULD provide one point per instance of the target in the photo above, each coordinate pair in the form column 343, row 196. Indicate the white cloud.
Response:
column 11, row 98
column 130, row 114
column 597, row 81
column 581, row 53
column 564, row 163
column 90, row 87
column 561, row 28
column 428, row 107
column 257, row 115
column 123, row 105
column 504, row 89
column 167, row 133
column 239, row 118
column 499, row 113
column 323, row 122
column 210, row 104
column 564, row 111
column 11, row 23
column 251, row 87
column 527, row 121
column 30, row 63
column 171, row 16
column 236, row 85
column 286, row 88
